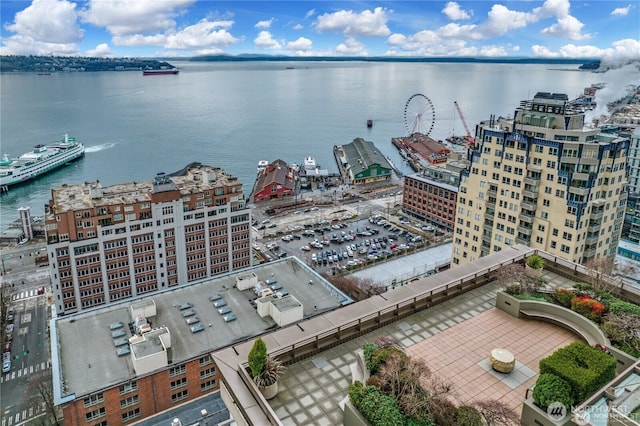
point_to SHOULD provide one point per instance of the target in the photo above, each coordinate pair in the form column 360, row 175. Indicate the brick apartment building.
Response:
column 431, row 195
column 107, row 244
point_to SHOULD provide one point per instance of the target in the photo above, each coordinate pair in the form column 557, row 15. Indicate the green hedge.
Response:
column 550, row 388
column 586, row 369
column 379, row 409
column 622, row 307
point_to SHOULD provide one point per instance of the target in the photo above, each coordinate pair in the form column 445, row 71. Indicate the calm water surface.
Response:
column 233, row 115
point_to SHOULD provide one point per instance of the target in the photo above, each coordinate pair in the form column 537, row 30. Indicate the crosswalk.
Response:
column 21, row 417
column 17, row 373
column 27, row 294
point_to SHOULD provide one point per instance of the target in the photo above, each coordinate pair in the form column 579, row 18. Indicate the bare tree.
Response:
column 514, row 278
column 599, row 271
column 40, row 390
column 625, row 328
column 496, row 412
column 356, row 288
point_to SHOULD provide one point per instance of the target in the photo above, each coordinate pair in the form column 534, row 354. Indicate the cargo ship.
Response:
column 160, row 72
column 42, row 159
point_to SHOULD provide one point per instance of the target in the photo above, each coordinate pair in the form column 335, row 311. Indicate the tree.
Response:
column 356, row 288
column 257, row 357
column 515, row 280
column 599, row 271
column 40, row 392
column 496, row 412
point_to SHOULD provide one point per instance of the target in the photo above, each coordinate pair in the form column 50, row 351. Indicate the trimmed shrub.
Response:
column 377, row 408
column 622, row 307
column 356, row 393
column 369, row 349
column 588, row 307
column 584, row 368
column 469, row 416
column 380, row 356
column 564, row 296
column 411, row 421
column 550, row 388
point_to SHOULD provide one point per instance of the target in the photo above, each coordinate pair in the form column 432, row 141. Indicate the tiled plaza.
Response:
column 454, row 338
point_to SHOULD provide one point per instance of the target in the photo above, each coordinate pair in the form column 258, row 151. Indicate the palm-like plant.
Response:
column 270, row 373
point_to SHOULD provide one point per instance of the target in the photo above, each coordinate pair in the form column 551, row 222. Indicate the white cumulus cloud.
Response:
column 568, row 27
column 351, row 47
column 621, row 11
column 266, row 41
column 302, row 44
column 203, row 35
column 351, row 24
column 264, row 24
column 454, row 12
column 101, row 51
column 128, row 17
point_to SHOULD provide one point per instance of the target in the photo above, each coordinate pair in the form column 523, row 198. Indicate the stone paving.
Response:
column 454, row 338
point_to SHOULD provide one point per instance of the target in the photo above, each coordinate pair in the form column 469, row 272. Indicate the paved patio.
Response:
column 455, row 339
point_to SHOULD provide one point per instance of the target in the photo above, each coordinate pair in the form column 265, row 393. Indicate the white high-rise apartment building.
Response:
column 543, row 179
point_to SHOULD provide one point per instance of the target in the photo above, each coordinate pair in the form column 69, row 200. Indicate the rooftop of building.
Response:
column 84, row 349
column 362, row 154
column 87, row 195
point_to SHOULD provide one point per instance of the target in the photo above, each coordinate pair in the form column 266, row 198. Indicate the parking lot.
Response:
column 337, row 242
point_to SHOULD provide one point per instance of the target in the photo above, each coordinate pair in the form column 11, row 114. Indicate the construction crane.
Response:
column 469, row 138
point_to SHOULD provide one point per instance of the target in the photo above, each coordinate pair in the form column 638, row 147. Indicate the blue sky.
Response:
column 607, row 30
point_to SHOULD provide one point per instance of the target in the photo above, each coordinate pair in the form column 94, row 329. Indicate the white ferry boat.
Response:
column 42, row 159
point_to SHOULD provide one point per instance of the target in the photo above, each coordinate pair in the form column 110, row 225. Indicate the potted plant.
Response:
column 534, row 264
column 265, row 370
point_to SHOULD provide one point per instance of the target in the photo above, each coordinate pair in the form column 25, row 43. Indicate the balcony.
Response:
column 521, row 239
column 583, row 192
column 487, row 227
column 529, row 205
column 597, row 215
column 534, row 167
column 526, row 217
column 530, row 192
column 524, row 230
column 531, row 181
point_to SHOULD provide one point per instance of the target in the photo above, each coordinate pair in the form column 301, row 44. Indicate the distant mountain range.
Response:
column 590, row 63
column 48, row 64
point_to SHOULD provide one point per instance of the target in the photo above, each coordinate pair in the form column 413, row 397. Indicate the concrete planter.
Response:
column 533, row 415
column 533, row 272
column 352, row 416
column 269, row 392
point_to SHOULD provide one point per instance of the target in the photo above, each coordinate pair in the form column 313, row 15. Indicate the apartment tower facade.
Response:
column 112, row 243
column 543, row 179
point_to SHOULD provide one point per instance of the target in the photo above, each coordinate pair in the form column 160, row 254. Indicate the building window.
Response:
column 175, row 371
column 207, row 373
column 128, row 402
column 130, row 415
column 208, row 385
column 205, row 360
column 96, row 414
column 93, row 400
column 128, row 387
column 179, row 383
column 180, row 396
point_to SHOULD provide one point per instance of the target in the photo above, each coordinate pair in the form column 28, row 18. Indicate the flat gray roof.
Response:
column 88, row 360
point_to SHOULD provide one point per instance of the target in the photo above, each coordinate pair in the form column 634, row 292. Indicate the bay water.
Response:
column 232, row 115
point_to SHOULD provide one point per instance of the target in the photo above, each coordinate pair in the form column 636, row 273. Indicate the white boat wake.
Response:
column 98, row 148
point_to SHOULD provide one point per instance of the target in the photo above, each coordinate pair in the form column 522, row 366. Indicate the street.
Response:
column 30, row 363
